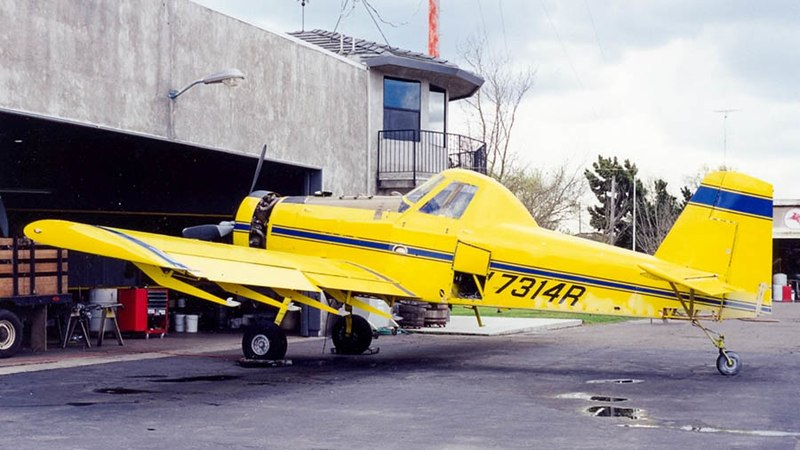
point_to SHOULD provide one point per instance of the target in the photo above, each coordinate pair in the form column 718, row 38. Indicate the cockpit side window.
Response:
column 419, row 192
column 452, row 201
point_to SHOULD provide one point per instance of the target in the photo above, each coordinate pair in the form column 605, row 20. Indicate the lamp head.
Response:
column 228, row 76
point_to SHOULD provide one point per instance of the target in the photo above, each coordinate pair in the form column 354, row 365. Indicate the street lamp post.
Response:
column 230, row 77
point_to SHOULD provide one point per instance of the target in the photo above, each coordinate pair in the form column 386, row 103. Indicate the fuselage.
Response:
column 486, row 250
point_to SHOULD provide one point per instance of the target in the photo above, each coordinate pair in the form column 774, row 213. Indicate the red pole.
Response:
column 433, row 28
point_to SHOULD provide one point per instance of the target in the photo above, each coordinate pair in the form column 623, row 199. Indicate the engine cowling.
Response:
column 252, row 219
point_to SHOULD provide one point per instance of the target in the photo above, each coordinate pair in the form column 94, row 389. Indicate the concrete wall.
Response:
column 111, row 63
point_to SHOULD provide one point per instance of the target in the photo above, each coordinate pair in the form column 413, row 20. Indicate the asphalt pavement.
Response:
column 631, row 385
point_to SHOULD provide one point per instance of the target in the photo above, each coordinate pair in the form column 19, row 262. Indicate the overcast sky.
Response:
column 637, row 79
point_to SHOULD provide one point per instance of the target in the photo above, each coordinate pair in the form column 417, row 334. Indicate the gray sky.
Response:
column 634, row 79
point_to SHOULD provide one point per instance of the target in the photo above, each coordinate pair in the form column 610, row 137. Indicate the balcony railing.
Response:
column 406, row 157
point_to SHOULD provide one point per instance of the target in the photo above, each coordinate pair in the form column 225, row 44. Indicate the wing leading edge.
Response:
column 177, row 263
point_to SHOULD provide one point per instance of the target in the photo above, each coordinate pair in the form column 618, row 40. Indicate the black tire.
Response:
column 264, row 342
column 727, row 368
column 359, row 339
column 10, row 334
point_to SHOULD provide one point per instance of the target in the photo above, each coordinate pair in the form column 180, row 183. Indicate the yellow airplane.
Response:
column 461, row 238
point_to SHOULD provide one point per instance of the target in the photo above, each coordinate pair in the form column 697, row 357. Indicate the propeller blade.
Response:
column 208, row 232
column 3, row 219
column 258, row 169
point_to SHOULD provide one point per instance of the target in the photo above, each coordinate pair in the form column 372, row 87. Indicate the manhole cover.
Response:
column 611, row 411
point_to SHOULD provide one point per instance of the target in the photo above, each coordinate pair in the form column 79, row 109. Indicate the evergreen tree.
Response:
column 612, row 184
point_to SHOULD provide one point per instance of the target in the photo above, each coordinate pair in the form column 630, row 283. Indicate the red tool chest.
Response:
column 144, row 311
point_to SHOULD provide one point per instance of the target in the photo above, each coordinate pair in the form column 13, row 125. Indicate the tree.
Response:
column 656, row 212
column 492, row 111
column 491, row 115
column 612, row 182
column 656, row 209
column 551, row 197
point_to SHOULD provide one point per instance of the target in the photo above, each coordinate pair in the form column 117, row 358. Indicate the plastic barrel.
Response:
column 780, row 279
column 180, row 323
column 191, row 323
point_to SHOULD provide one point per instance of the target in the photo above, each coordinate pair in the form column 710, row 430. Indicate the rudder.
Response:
column 726, row 228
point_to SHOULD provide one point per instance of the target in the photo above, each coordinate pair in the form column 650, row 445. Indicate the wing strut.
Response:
column 348, row 299
column 167, row 280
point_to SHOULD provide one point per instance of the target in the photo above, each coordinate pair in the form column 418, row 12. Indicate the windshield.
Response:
column 419, row 192
column 450, row 201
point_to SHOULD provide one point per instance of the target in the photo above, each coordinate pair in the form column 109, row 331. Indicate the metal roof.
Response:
column 397, row 62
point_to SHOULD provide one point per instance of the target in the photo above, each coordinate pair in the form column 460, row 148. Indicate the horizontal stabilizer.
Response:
column 704, row 282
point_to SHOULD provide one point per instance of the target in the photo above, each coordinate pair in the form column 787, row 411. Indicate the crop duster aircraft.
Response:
column 461, row 238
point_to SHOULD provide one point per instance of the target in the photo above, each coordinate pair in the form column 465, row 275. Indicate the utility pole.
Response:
column 611, row 213
column 725, row 113
column 633, row 246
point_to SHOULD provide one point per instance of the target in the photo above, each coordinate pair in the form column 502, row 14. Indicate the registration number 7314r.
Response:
column 533, row 288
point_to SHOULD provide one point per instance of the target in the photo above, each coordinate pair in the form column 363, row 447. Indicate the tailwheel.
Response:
column 358, row 339
column 264, row 342
column 728, row 363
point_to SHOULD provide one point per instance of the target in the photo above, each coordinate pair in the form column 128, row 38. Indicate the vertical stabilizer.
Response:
column 727, row 229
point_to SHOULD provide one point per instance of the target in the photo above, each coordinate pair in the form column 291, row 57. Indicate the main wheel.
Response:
column 729, row 368
column 10, row 334
column 265, row 342
column 359, row 339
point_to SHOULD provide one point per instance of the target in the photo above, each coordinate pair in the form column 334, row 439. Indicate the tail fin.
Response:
column 726, row 228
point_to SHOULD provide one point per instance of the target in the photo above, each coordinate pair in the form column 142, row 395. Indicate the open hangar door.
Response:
column 51, row 169
column 57, row 170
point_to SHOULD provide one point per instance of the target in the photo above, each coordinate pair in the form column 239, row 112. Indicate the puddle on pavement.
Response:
column 616, row 381
column 703, row 429
column 611, row 411
column 592, row 398
column 601, row 398
column 121, row 391
column 81, row 403
column 197, row 378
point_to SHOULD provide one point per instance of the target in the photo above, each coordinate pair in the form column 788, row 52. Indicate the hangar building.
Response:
column 88, row 131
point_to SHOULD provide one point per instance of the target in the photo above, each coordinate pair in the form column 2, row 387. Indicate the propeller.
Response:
column 3, row 219
column 208, row 232
column 212, row 232
column 258, row 169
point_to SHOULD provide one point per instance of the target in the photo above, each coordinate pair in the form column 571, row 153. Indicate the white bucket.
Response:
column 180, row 323
column 191, row 323
column 780, row 279
column 101, row 297
column 777, row 293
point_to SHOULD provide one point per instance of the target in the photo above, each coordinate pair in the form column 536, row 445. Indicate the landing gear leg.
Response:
column 728, row 362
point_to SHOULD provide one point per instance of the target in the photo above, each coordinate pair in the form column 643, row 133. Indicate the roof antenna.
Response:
column 303, row 7
column 725, row 113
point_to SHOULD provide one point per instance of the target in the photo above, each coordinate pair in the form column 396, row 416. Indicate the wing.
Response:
column 705, row 282
column 179, row 263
